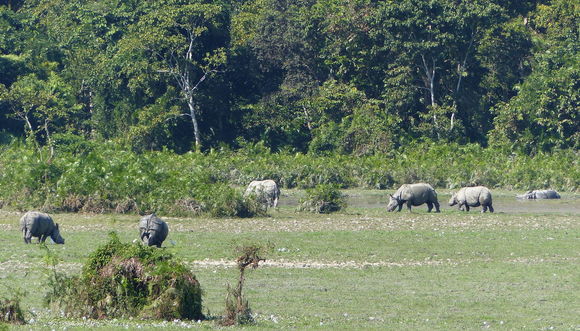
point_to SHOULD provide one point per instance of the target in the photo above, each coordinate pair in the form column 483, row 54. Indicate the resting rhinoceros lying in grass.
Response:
column 539, row 194
column 266, row 191
column 472, row 197
column 414, row 195
column 152, row 230
column 36, row 224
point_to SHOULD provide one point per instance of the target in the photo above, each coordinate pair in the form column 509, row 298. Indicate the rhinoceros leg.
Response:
column 436, row 203
column 490, row 208
column 409, row 204
column 466, row 207
column 27, row 236
column 483, row 208
column 42, row 238
column 429, row 207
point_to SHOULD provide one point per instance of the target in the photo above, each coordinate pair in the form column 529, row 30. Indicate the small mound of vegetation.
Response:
column 323, row 199
column 10, row 311
column 128, row 280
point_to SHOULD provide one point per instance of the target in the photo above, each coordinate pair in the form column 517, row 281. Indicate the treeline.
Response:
column 89, row 177
column 346, row 77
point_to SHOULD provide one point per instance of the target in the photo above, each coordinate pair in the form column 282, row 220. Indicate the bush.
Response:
column 323, row 199
column 220, row 200
column 10, row 310
column 103, row 178
column 238, row 311
column 128, row 280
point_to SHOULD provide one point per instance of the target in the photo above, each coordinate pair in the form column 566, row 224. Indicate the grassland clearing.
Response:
column 363, row 268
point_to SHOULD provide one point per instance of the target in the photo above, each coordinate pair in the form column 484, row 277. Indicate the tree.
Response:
column 176, row 38
column 545, row 112
column 437, row 41
column 44, row 106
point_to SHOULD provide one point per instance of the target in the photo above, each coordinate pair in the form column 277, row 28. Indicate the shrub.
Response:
column 103, row 178
column 323, row 199
column 221, row 200
column 10, row 310
column 128, row 280
column 237, row 307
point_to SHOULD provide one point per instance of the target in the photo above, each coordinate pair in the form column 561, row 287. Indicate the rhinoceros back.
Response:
column 418, row 194
column 539, row 194
column 267, row 191
column 155, row 229
column 475, row 196
column 547, row 194
column 37, row 223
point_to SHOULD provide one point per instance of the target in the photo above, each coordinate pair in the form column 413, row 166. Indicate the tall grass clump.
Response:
column 323, row 199
column 128, row 280
column 238, row 311
column 10, row 309
column 88, row 177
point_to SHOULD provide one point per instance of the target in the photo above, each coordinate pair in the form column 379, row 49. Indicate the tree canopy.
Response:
column 354, row 77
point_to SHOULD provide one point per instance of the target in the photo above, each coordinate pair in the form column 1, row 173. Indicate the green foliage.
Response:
column 123, row 280
column 325, row 76
column 238, row 310
column 10, row 309
column 323, row 199
column 220, row 200
column 104, row 178
column 545, row 113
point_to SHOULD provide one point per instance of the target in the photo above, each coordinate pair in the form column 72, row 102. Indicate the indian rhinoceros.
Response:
column 266, row 191
column 539, row 194
column 152, row 230
column 472, row 197
column 413, row 195
column 41, row 225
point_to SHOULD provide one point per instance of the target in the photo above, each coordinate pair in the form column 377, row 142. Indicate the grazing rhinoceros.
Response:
column 266, row 191
column 36, row 224
column 472, row 197
column 414, row 195
column 152, row 230
column 539, row 194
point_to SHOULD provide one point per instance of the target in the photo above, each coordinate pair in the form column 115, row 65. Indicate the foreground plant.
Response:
column 128, row 280
column 10, row 310
column 237, row 307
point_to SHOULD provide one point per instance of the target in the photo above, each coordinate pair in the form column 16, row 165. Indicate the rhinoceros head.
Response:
column 55, row 236
column 393, row 203
column 453, row 200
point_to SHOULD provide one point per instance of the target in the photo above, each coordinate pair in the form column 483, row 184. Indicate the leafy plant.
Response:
column 10, row 309
column 237, row 307
column 323, row 199
column 123, row 280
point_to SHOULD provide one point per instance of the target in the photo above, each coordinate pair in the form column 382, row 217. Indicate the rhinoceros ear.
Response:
column 56, row 225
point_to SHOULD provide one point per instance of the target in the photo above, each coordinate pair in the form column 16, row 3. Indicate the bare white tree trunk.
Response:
column 48, row 139
column 196, row 134
column 430, row 75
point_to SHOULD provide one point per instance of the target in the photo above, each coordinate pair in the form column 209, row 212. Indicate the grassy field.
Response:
column 363, row 268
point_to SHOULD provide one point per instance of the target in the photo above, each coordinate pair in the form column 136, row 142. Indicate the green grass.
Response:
column 363, row 268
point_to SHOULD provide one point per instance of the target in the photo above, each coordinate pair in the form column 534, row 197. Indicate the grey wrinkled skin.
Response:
column 152, row 230
column 413, row 195
column 472, row 197
column 266, row 191
column 36, row 224
column 539, row 194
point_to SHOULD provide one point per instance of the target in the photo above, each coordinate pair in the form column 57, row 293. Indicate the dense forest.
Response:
column 341, row 76
column 328, row 89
